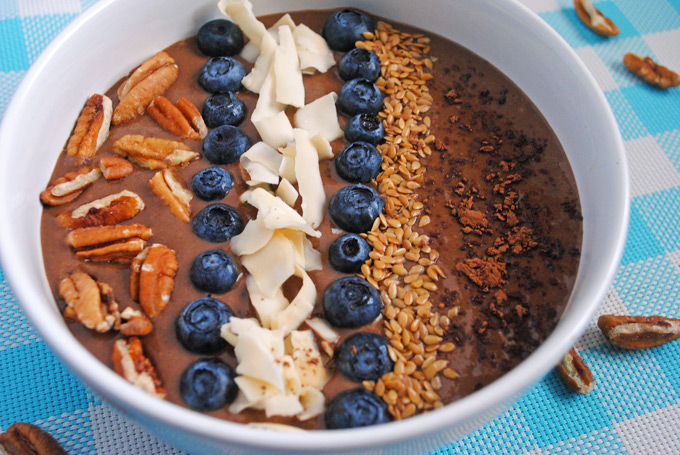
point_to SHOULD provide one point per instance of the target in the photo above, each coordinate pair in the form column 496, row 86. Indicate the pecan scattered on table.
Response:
column 575, row 373
column 594, row 19
column 650, row 71
column 27, row 439
column 639, row 332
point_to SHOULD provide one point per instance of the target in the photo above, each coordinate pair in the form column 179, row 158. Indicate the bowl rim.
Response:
column 116, row 390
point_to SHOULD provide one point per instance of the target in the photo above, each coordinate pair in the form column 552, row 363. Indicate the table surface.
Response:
column 635, row 407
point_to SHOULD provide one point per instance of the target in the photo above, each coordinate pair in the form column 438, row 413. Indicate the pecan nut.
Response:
column 639, row 332
column 27, row 439
column 575, row 373
column 152, row 278
column 183, row 120
column 135, row 323
column 70, row 186
column 115, row 167
column 594, row 19
column 650, row 71
column 117, row 243
column 90, row 302
column 153, row 153
column 129, row 362
column 92, row 128
column 173, row 193
column 147, row 82
column 112, row 209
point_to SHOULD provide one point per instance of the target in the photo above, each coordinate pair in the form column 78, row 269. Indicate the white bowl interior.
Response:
column 114, row 36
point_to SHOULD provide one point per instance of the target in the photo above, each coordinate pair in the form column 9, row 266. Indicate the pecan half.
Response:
column 147, row 82
column 129, row 362
column 173, row 193
column 575, row 373
column 90, row 302
column 154, row 153
column 118, row 243
column 191, row 113
column 594, row 19
column 69, row 187
column 92, row 128
column 136, row 324
column 639, row 332
column 114, row 167
column 112, row 209
column 26, row 439
column 153, row 278
column 650, row 71
column 183, row 120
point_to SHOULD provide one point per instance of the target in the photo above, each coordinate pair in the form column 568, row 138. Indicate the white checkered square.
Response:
column 113, row 434
column 28, row 8
column 654, row 432
column 598, row 69
column 674, row 258
column 650, row 168
column 612, row 304
column 666, row 47
column 541, row 6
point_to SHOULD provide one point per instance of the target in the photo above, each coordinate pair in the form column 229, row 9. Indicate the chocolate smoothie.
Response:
column 502, row 213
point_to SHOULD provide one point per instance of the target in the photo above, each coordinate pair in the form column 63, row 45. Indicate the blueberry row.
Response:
column 208, row 383
column 352, row 302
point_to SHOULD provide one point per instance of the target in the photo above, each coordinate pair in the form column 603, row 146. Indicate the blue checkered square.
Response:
column 13, row 50
column 629, row 383
column 36, row 385
column 669, row 141
column 555, row 413
column 658, row 110
column 665, row 16
column 638, row 251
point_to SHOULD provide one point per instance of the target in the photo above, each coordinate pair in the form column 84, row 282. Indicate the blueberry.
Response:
column 351, row 302
column 354, row 208
column 359, row 63
column 359, row 162
column 221, row 74
column 225, row 144
column 345, row 27
column 220, row 37
column 198, row 325
column 208, row 384
column 217, row 223
column 363, row 357
column 223, row 109
column 213, row 271
column 356, row 408
column 212, row 183
column 366, row 128
column 360, row 96
column 348, row 253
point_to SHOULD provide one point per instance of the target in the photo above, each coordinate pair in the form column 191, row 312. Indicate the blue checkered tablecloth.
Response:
column 635, row 407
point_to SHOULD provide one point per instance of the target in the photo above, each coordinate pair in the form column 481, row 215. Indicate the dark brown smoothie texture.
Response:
column 494, row 201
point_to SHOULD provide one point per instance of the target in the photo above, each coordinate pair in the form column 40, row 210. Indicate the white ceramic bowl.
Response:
column 113, row 36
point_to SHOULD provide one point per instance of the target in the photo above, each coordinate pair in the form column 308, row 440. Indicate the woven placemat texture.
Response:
column 635, row 407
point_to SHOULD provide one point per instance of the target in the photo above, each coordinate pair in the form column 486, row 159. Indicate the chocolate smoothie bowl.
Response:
column 289, row 235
